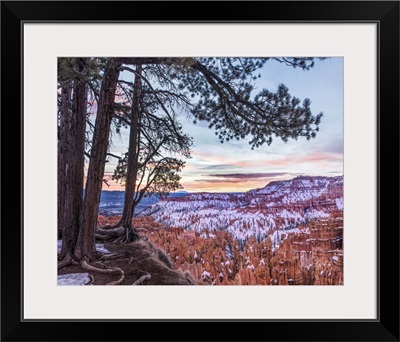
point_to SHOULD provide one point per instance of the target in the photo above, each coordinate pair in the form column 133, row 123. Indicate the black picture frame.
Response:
column 384, row 13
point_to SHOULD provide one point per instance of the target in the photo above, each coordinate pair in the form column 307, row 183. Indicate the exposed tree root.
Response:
column 102, row 237
column 110, row 270
column 119, row 281
column 90, row 281
column 118, row 239
column 113, row 255
column 123, row 235
column 127, row 259
column 142, row 279
column 64, row 262
column 119, row 231
column 131, row 235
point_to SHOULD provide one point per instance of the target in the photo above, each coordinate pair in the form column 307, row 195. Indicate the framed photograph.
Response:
column 200, row 143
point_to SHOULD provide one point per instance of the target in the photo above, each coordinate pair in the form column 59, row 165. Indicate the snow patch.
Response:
column 339, row 203
column 77, row 279
column 205, row 275
column 99, row 247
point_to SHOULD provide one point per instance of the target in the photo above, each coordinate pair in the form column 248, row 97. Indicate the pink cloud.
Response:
column 247, row 176
column 285, row 161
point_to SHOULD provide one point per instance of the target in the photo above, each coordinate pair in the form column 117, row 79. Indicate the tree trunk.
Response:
column 85, row 247
column 63, row 128
column 74, row 167
column 133, row 157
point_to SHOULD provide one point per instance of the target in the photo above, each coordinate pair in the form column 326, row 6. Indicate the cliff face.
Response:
column 280, row 206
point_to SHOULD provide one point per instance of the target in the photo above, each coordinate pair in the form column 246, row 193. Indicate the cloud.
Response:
column 250, row 175
column 335, row 146
column 279, row 161
column 216, row 167
column 313, row 158
column 218, row 181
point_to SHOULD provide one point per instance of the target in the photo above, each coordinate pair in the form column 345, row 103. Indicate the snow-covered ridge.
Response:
column 281, row 205
column 200, row 201
column 301, row 188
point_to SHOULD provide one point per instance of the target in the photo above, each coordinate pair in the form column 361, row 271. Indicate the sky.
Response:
column 234, row 167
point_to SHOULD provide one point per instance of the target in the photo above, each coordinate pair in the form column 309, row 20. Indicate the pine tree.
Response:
column 71, row 150
column 85, row 245
column 151, row 166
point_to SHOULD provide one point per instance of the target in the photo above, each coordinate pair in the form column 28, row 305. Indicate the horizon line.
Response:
column 227, row 192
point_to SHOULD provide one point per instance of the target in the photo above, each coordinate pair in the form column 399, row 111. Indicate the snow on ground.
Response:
column 205, row 275
column 339, row 203
column 77, row 279
column 99, row 247
column 279, row 208
column 240, row 223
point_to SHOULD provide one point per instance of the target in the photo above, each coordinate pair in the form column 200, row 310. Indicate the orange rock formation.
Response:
column 311, row 256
